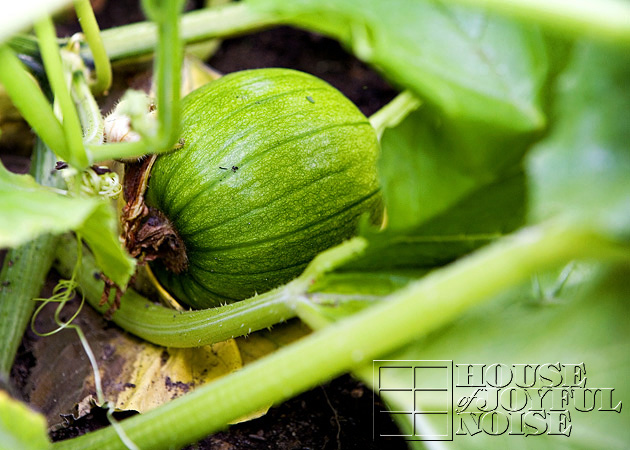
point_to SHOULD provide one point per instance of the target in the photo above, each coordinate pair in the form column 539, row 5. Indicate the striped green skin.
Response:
column 306, row 159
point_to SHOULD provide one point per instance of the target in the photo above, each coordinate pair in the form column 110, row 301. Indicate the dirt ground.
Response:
column 335, row 416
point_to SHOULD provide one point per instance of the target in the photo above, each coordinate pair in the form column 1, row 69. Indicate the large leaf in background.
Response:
column 472, row 66
column 29, row 210
column 582, row 170
column 587, row 321
column 487, row 213
column 422, row 173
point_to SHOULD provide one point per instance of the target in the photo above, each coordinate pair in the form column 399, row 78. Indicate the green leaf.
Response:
column 573, row 321
column 480, row 217
column 30, row 210
column 341, row 294
column 21, row 428
column 483, row 81
column 471, row 65
column 16, row 16
column 582, row 170
column 424, row 169
column 100, row 233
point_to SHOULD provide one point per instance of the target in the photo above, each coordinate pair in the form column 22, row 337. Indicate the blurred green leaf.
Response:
column 20, row 427
column 423, row 172
column 582, row 170
column 473, row 66
column 586, row 319
column 30, row 210
column 480, row 217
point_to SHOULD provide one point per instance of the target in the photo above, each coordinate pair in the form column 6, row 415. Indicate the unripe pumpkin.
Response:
column 276, row 166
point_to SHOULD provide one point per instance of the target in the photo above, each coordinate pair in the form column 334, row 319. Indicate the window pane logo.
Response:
column 415, row 383
column 486, row 399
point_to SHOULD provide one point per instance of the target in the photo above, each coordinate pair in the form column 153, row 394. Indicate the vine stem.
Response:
column 87, row 109
column 141, row 38
column 394, row 112
column 604, row 19
column 167, row 68
column 45, row 30
column 167, row 327
column 92, row 33
column 29, row 99
column 409, row 313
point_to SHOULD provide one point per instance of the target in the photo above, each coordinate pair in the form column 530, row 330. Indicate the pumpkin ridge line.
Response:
column 292, row 266
column 303, row 228
column 246, row 160
column 277, row 199
column 244, row 163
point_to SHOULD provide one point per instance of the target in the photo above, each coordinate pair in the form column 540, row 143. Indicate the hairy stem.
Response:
column 88, row 110
column 167, row 68
column 45, row 31
column 167, row 327
column 407, row 314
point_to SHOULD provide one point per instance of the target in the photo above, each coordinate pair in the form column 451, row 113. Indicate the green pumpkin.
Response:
column 277, row 165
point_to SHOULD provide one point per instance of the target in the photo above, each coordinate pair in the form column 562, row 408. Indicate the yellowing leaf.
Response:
column 195, row 74
column 146, row 376
column 135, row 374
column 262, row 343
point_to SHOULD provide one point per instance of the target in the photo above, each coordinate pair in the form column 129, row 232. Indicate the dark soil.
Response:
column 338, row 415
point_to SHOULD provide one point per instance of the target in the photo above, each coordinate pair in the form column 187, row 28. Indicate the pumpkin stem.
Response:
column 147, row 233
